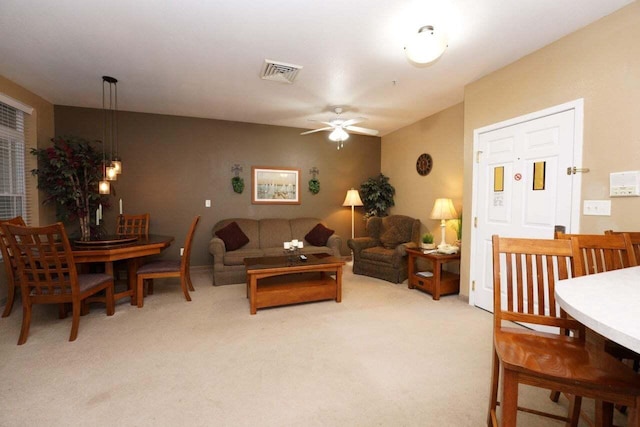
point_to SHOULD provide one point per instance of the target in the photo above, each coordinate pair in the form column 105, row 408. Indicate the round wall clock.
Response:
column 424, row 164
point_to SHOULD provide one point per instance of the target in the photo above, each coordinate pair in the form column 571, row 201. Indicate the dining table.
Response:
column 607, row 303
column 108, row 249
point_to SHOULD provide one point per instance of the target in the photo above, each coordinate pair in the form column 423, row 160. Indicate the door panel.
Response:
column 521, row 187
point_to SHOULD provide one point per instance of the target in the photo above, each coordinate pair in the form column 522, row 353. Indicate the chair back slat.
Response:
column 133, row 225
column 604, row 252
column 634, row 236
column 531, row 268
column 45, row 262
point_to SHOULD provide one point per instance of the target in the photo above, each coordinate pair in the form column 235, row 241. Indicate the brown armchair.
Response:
column 383, row 254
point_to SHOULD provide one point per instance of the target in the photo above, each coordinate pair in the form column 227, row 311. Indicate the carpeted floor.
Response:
column 385, row 356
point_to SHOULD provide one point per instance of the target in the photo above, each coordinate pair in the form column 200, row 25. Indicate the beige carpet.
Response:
column 385, row 356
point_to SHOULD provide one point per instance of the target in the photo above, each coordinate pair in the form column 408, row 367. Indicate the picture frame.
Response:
column 275, row 186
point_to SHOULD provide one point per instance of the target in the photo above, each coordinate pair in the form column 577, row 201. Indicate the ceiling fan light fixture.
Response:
column 426, row 46
column 338, row 135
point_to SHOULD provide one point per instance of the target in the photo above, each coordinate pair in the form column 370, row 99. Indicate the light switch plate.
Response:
column 597, row 207
column 207, row 203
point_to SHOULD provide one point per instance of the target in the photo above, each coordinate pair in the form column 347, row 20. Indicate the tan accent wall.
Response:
column 600, row 63
column 43, row 118
column 171, row 165
column 440, row 136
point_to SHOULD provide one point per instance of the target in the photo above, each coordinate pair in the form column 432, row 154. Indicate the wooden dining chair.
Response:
column 603, row 252
column 524, row 275
column 634, row 236
column 48, row 273
column 10, row 267
column 169, row 268
column 133, row 225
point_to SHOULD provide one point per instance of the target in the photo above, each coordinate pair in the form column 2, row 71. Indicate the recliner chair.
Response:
column 383, row 254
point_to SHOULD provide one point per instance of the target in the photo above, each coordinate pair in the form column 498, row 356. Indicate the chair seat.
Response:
column 85, row 282
column 378, row 253
column 562, row 359
column 161, row 266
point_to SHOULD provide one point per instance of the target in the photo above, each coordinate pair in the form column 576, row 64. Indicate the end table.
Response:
column 442, row 282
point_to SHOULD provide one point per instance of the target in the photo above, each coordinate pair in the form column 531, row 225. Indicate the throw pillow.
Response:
column 232, row 236
column 391, row 238
column 319, row 235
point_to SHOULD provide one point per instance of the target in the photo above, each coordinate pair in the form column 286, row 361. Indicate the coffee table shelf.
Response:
column 276, row 281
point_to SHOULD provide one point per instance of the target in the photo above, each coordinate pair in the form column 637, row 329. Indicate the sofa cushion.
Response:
column 274, row 232
column 378, row 254
column 237, row 257
column 395, row 229
column 392, row 237
column 232, row 236
column 319, row 235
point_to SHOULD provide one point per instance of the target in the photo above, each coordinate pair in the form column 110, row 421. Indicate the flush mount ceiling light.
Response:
column 426, row 46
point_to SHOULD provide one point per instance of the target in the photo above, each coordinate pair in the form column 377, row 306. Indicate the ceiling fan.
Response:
column 340, row 126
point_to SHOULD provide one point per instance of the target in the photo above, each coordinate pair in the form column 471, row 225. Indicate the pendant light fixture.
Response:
column 113, row 166
column 104, row 187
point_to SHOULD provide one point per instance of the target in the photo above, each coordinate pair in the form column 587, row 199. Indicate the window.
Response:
column 13, row 191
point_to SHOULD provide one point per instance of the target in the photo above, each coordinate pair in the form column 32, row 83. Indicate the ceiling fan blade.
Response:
column 316, row 130
column 352, row 121
column 362, row 130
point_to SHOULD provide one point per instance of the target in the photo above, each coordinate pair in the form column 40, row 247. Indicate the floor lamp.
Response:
column 352, row 199
column 443, row 210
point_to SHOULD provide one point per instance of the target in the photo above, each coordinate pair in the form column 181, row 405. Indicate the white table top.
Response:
column 608, row 303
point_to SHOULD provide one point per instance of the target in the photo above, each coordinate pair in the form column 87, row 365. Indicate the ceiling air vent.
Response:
column 279, row 71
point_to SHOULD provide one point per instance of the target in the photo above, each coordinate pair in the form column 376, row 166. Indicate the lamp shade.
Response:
column 426, row 46
column 352, row 199
column 443, row 209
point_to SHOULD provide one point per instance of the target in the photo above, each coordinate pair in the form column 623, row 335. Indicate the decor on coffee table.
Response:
column 275, row 186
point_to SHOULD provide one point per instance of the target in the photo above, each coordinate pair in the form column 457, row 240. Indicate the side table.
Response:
column 442, row 282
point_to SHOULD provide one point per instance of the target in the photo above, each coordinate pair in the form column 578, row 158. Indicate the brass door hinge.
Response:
column 478, row 156
column 475, row 222
column 473, row 285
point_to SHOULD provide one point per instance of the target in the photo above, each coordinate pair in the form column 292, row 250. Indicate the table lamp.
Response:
column 443, row 210
column 352, row 199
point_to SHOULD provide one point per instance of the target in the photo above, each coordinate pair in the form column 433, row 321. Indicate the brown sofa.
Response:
column 383, row 254
column 266, row 238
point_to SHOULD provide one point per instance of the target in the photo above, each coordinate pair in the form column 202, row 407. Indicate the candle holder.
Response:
column 292, row 250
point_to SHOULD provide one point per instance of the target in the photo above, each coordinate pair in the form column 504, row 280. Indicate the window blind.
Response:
column 14, row 198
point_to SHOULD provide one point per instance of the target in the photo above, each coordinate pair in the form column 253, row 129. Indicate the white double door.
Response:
column 524, row 185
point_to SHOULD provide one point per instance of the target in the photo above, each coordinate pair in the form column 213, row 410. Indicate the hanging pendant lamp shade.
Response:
column 113, row 165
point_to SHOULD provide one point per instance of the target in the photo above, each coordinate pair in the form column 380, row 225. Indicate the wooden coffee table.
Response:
column 281, row 280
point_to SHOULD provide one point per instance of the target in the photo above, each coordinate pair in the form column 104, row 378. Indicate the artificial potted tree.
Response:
column 68, row 173
column 377, row 196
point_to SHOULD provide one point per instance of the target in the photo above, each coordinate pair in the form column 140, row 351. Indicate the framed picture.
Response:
column 275, row 186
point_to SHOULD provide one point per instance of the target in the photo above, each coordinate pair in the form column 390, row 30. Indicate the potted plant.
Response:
column 377, row 196
column 68, row 173
column 457, row 226
column 427, row 241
